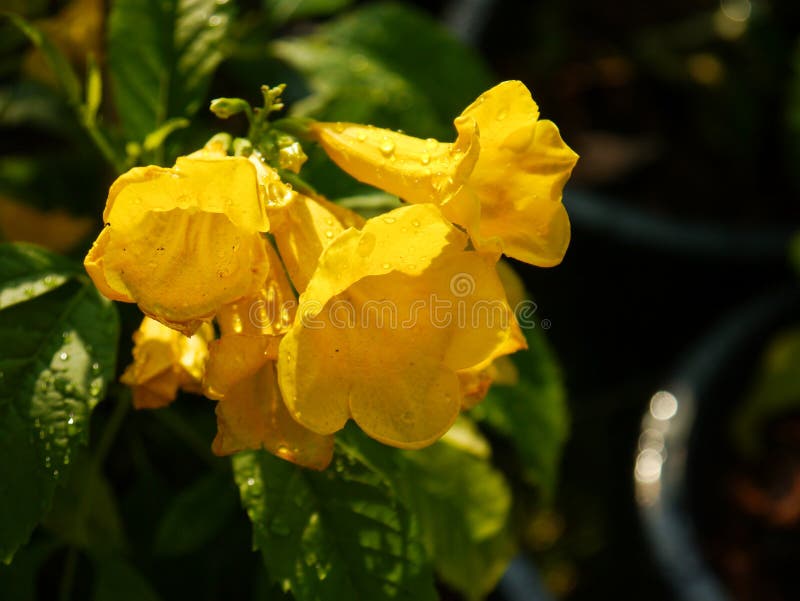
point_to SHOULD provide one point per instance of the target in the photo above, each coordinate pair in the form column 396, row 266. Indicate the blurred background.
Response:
column 686, row 115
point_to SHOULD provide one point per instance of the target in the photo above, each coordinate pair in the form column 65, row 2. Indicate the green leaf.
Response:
column 463, row 506
column 162, row 54
column 532, row 414
column 339, row 534
column 196, row 515
column 117, row 580
column 364, row 67
column 59, row 351
column 85, row 513
column 283, row 11
column 58, row 63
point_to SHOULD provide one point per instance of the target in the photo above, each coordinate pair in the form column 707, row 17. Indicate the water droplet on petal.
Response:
column 502, row 114
column 425, row 158
column 387, row 147
column 386, row 265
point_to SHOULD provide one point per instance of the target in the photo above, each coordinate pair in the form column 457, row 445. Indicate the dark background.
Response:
column 659, row 142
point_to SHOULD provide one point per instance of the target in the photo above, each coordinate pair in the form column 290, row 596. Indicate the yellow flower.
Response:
column 241, row 376
column 164, row 361
column 391, row 314
column 502, row 179
column 184, row 241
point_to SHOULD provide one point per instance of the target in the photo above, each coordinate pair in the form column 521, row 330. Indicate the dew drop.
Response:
column 432, row 143
column 361, row 136
column 71, row 419
column 63, row 356
column 338, row 128
column 95, row 368
column 425, row 159
column 251, row 481
column 283, row 451
column 329, row 234
column 386, row 265
column 415, row 223
column 502, row 114
column 389, row 220
column 387, row 147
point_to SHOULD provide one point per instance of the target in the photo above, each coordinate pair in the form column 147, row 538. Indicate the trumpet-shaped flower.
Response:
column 391, row 314
column 164, row 361
column 502, row 179
column 182, row 242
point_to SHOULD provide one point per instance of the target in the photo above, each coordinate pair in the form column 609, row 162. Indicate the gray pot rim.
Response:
column 660, row 467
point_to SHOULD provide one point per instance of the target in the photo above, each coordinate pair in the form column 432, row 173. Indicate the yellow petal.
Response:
column 94, row 263
column 513, row 284
column 406, row 240
column 157, row 392
column 193, row 355
column 223, row 185
column 181, row 266
column 234, row 358
column 270, row 312
column 252, row 416
column 163, row 361
column 414, row 169
column 381, row 342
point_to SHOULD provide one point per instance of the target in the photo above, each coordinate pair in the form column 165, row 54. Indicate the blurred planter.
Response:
column 684, row 458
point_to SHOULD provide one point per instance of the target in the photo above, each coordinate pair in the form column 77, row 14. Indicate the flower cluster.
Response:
column 323, row 316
